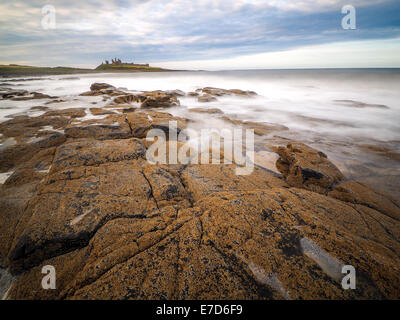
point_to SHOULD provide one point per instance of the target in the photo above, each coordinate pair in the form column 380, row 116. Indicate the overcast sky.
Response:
column 205, row 34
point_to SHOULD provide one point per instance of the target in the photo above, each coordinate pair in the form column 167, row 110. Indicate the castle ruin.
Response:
column 118, row 62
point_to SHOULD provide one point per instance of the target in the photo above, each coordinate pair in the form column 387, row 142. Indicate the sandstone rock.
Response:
column 10, row 94
column 125, row 99
column 71, row 112
column 100, row 111
column 176, row 92
column 55, row 101
column 305, row 167
column 204, row 180
column 39, row 108
column 114, row 127
column 206, row 98
column 242, row 92
column 90, row 182
column 41, row 160
column 127, row 110
column 91, row 93
column 223, row 92
column 13, row 200
column 209, row 110
column 20, row 154
column 358, row 193
column 24, row 176
column 232, row 245
column 90, row 152
column 98, row 86
column 22, row 95
column 30, row 126
column 38, row 95
column 158, row 99
column 140, row 123
column 166, row 186
column 117, row 227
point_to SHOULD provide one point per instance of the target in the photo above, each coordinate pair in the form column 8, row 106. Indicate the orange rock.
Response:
column 358, row 193
column 305, row 167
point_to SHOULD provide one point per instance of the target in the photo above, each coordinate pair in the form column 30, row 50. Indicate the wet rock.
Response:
column 22, row 95
column 5, row 283
column 23, row 153
column 32, row 96
column 305, row 167
column 55, row 101
column 98, row 89
column 260, row 128
column 71, row 112
column 99, row 86
column 8, row 94
column 13, row 200
column 242, row 92
column 24, row 176
column 223, row 92
column 177, row 92
column 127, row 110
column 358, row 104
column 100, row 111
column 206, row 98
column 158, row 99
column 90, row 94
column 209, row 110
column 114, row 127
column 30, row 126
column 382, row 151
column 125, row 99
column 39, row 108
column 323, row 122
column 141, row 123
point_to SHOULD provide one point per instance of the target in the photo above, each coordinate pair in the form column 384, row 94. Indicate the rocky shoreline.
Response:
column 78, row 194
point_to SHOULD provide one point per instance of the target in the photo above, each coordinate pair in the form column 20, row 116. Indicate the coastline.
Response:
column 81, row 196
column 10, row 71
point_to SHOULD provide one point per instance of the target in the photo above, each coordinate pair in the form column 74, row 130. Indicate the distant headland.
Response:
column 116, row 65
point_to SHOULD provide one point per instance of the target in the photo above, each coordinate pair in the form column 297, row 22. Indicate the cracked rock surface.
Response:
column 114, row 226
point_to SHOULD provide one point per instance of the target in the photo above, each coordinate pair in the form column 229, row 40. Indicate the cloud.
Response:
column 158, row 30
column 354, row 54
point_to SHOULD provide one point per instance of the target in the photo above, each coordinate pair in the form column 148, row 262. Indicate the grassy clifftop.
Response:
column 128, row 68
column 14, row 70
column 9, row 70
